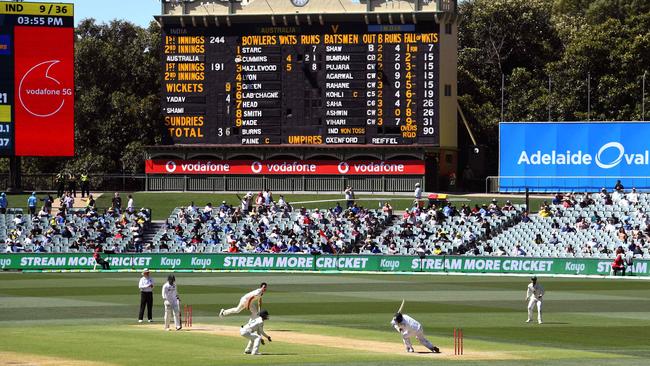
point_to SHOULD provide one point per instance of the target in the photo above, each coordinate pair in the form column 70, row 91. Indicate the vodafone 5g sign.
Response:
column 285, row 167
column 573, row 156
column 44, row 91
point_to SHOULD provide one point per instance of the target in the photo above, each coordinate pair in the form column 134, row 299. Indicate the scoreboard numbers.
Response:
column 342, row 83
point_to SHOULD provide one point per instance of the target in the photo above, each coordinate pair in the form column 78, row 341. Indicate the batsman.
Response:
column 409, row 327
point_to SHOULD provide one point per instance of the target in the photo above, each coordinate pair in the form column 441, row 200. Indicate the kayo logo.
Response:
column 610, row 155
column 41, row 94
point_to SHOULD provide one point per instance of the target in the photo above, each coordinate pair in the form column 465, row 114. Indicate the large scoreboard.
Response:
column 36, row 79
column 337, row 83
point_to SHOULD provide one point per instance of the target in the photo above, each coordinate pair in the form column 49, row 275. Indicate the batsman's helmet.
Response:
column 264, row 314
column 534, row 278
column 399, row 317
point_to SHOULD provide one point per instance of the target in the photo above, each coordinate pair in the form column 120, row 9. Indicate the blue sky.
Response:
column 140, row 12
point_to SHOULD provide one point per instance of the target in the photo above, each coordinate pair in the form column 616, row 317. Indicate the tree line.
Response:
column 550, row 56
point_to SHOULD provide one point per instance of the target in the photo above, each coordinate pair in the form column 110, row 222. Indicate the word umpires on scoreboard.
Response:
column 346, row 83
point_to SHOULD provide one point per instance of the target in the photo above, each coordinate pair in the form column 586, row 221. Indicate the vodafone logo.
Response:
column 40, row 93
column 343, row 167
column 256, row 167
column 170, row 166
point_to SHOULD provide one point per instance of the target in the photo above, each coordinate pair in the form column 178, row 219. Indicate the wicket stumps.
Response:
column 187, row 316
column 458, row 341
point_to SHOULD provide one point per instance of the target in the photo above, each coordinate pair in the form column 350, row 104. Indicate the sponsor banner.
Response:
column 44, row 91
column 285, row 167
column 573, row 156
column 269, row 262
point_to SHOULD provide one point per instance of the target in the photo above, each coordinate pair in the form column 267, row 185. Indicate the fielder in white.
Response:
column 172, row 302
column 409, row 327
column 254, row 331
column 251, row 301
column 534, row 294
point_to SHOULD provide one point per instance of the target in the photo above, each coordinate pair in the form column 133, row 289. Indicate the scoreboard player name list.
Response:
column 334, row 87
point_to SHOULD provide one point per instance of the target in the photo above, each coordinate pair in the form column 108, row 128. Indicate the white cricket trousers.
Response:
column 420, row 337
column 172, row 309
column 254, row 340
column 244, row 303
column 531, row 305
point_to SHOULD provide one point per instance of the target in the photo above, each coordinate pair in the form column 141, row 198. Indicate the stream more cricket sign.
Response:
column 360, row 263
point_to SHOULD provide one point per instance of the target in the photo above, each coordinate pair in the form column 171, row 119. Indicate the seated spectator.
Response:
column 40, row 248
column 545, row 212
column 568, row 229
column 437, row 250
column 555, row 225
column 538, row 239
column 557, row 199
column 525, row 218
column 633, row 197
column 508, row 206
column 554, row 240
column 518, row 251
column 622, row 235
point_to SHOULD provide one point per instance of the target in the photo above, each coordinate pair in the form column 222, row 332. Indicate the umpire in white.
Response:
column 172, row 302
column 146, row 295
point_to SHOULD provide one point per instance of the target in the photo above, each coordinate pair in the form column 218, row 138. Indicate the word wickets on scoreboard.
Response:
column 344, row 83
column 36, row 79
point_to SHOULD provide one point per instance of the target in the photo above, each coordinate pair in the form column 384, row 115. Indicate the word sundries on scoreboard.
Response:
column 343, row 83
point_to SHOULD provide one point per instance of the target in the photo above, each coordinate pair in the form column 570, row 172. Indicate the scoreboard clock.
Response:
column 299, row 2
column 342, row 83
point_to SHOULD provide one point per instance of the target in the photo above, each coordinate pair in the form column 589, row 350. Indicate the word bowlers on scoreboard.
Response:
column 338, row 83
column 36, row 79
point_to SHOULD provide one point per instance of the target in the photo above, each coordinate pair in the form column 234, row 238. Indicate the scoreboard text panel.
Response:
column 340, row 83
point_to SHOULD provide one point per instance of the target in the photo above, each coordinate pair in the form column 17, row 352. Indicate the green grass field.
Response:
column 91, row 317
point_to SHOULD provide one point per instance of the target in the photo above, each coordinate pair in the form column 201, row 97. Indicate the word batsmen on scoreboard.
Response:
column 36, row 79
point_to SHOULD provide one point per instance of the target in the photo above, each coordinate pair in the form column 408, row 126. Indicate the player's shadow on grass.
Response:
column 278, row 354
column 281, row 330
column 557, row 323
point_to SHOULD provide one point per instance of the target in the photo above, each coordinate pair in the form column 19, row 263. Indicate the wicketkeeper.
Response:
column 254, row 331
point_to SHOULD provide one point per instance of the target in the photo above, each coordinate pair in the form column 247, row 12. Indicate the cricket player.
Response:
column 409, row 327
column 172, row 302
column 254, row 331
column 534, row 294
column 251, row 301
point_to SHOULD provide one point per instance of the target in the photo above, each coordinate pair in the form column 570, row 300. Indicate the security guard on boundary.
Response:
column 85, row 185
